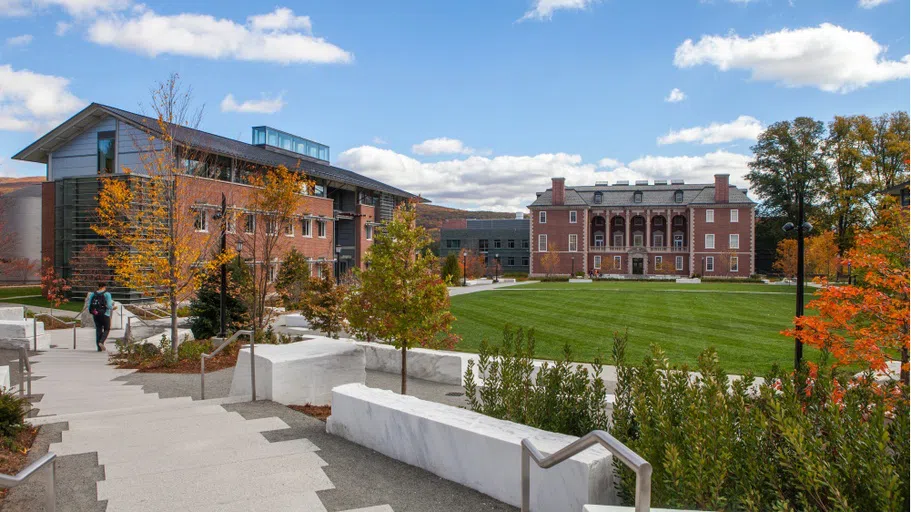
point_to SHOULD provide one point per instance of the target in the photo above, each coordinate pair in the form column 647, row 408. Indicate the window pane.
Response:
column 105, row 152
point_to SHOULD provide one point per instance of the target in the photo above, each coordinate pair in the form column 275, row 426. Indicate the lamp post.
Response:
column 223, row 293
column 496, row 268
column 338, row 265
column 572, row 273
column 802, row 227
column 464, row 268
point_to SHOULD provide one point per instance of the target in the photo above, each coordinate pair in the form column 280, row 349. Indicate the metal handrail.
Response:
column 24, row 365
column 632, row 460
column 202, row 366
column 49, row 460
column 35, row 327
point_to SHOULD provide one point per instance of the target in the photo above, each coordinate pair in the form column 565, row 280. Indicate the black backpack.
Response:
column 98, row 305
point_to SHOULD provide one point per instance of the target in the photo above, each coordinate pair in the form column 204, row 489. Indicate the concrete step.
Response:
column 249, row 441
column 299, row 501
column 164, row 404
column 127, row 444
column 132, row 421
column 191, row 489
column 204, row 460
column 179, row 426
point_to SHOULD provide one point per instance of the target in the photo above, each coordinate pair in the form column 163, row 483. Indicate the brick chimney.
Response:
column 559, row 191
column 721, row 188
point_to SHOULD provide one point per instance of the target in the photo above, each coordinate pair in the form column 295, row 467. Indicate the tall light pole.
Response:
column 496, row 268
column 572, row 273
column 464, row 268
column 223, row 293
column 802, row 227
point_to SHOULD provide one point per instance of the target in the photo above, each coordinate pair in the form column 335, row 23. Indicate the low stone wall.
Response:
column 17, row 333
column 471, row 449
column 434, row 365
column 4, row 377
column 12, row 313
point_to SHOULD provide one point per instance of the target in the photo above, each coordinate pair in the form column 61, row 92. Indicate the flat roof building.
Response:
column 490, row 238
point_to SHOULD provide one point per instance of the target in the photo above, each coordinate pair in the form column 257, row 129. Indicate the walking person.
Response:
column 100, row 306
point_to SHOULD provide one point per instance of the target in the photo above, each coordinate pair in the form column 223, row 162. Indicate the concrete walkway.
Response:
column 173, row 453
column 462, row 290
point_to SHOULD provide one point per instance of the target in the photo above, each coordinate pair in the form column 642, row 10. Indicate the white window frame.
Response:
column 597, row 264
column 231, row 222
column 618, row 261
column 368, row 232
column 709, row 236
column 289, row 229
column 542, row 217
column 599, row 239
column 658, row 239
column 735, row 215
column 709, row 215
column 272, row 272
column 734, row 241
column 321, row 227
column 542, row 243
column 709, row 263
column 620, row 236
column 307, row 232
column 573, row 242
column 678, row 263
column 735, row 264
column 202, row 221
column 659, row 260
column 253, row 225
column 271, row 225
column 573, row 217
column 638, row 240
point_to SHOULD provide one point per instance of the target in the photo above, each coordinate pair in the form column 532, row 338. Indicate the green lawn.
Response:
column 19, row 291
column 742, row 321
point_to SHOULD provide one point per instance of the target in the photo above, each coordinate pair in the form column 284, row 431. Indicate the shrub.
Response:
column 205, row 308
column 293, row 280
column 823, row 443
column 322, row 303
column 270, row 337
column 12, row 414
column 562, row 397
column 192, row 350
column 451, row 270
column 553, row 279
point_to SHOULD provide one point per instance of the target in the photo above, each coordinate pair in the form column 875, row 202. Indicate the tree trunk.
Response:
column 174, row 340
column 404, row 370
column 904, row 371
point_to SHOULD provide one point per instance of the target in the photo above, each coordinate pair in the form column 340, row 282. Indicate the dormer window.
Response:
column 678, row 196
column 637, row 197
column 598, row 197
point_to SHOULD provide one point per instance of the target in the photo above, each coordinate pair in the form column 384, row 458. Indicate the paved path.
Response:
column 174, row 453
column 462, row 290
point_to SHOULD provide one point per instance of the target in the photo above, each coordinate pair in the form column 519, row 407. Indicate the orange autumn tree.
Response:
column 150, row 216
column 550, row 260
column 786, row 257
column 868, row 322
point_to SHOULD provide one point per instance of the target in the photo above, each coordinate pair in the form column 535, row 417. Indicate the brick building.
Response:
column 645, row 229
column 334, row 224
column 506, row 239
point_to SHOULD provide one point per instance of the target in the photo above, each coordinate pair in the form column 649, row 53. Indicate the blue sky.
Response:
column 474, row 104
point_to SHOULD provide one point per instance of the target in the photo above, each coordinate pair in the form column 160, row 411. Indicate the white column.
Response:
column 648, row 229
column 626, row 222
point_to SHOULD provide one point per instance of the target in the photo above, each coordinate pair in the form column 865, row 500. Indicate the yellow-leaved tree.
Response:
column 153, row 217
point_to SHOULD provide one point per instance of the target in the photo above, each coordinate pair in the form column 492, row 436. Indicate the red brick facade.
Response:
column 708, row 235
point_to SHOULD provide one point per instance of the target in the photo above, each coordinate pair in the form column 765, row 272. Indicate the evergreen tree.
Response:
column 451, row 270
column 293, row 280
column 205, row 308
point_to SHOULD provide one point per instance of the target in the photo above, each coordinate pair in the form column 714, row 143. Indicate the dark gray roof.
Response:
column 224, row 146
column 652, row 195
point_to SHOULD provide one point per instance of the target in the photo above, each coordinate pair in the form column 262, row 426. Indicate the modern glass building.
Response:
column 267, row 136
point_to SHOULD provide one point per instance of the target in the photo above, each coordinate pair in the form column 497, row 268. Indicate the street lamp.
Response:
column 338, row 265
column 464, row 268
column 496, row 268
column 240, row 247
column 572, row 273
column 802, row 227
column 223, row 293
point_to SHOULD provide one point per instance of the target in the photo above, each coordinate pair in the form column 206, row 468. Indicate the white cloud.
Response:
column 675, row 96
column 79, row 8
column 609, row 163
column 869, row 4
column 544, row 9
column 379, row 141
column 22, row 40
column 509, row 183
column 62, row 28
column 744, row 127
column 441, row 146
column 272, row 37
column 828, row 57
column 34, row 102
column 262, row 106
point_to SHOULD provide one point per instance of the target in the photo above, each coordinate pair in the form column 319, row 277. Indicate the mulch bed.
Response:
column 12, row 461
column 227, row 358
column 320, row 412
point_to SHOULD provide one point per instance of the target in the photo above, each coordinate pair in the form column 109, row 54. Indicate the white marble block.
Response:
column 433, row 365
column 16, row 333
column 4, row 377
column 182, row 336
column 295, row 320
column 300, row 373
column 12, row 313
column 607, row 508
column 471, row 449
column 687, row 280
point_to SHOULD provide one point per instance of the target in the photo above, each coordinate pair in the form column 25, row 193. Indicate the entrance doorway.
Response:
column 637, row 266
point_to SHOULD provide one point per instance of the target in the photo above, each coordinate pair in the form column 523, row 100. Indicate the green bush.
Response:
column 553, row 279
column 205, row 308
column 829, row 444
column 192, row 350
column 12, row 415
column 562, row 397
column 451, row 271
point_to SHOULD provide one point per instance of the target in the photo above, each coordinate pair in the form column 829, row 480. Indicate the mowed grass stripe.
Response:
column 744, row 328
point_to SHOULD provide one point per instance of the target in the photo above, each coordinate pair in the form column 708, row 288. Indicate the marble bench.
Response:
column 471, row 449
column 12, row 313
column 27, row 333
column 300, row 373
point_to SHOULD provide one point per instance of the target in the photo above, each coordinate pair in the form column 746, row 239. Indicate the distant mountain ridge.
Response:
column 13, row 184
column 431, row 217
